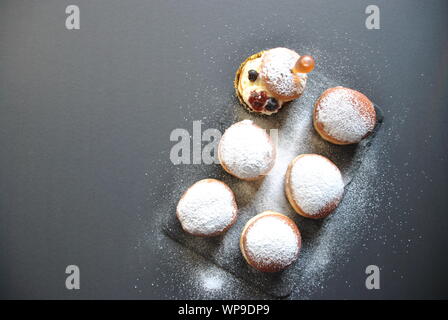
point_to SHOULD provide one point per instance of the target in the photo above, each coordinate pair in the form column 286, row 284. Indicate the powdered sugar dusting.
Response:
column 211, row 282
column 339, row 113
column 276, row 71
column 325, row 243
column 271, row 241
column 206, row 208
column 315, row 183
column 247, row 150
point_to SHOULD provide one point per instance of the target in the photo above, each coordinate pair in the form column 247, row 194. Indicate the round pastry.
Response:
column 343, row 116
column 207, row 208
column 246, row 151
column 270, row 242
column 313, row 185
column 268, row 79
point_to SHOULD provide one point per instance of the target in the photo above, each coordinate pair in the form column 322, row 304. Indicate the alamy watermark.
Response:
column 372, row 22
column 373, row 18
column 73, row 281
column 72, row 21
column 200, row 146
column 373, row 278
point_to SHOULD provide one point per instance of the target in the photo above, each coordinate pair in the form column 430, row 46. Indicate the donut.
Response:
column 276, row 70
column 246, row 151
column 265, row 81
column 208, row 208
column 270, row 242
column 313, row 185
column 343, row 116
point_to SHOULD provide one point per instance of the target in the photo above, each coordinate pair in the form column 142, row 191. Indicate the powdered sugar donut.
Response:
column 207, row 208
column 270, row 242
column 343, row 116
column 313, row 185
column 246, row 151
column 276, row 69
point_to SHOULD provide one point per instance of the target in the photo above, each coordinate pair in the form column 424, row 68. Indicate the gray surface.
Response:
column 85, row 114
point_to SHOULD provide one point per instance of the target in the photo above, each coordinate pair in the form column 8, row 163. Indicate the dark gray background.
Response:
column 85, row 114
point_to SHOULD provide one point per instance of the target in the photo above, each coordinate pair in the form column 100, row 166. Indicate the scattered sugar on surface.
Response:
column 211, row 282
column 321, row 254
column 179, row 269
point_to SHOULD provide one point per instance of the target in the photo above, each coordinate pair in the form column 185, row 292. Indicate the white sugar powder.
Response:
column 211, row 282
column 206, row 208
column 247, row 150
column 326, row 243
column 271, row 241
column 315, row 183
column 339, row 113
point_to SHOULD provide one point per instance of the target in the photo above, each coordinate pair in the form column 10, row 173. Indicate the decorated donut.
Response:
column 268, row 79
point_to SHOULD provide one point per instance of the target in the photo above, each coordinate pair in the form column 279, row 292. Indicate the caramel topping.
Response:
column 305, row 64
